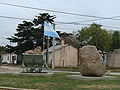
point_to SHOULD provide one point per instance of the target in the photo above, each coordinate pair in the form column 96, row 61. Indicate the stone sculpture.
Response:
column 37, row 50
column 91, row 63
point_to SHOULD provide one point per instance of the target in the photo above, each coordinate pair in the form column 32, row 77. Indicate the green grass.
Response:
column 73, row 69
column 57, row 81
column 76, row 69
column 111, row 68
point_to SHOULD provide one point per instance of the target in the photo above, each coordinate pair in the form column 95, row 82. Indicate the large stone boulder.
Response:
column 91, row 63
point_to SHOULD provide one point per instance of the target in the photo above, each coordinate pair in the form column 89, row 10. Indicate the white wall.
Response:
column 9, row 58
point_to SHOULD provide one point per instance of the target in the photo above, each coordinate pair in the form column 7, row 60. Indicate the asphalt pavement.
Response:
column 18, row 69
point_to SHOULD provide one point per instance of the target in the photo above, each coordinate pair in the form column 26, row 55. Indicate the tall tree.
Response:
column 94, row 35
column 115, row 43
column 3, row 50
column 30, row 34
column 70, row 38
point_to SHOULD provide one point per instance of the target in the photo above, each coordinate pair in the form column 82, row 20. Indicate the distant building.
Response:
column 65, row 55
column 113, row 59
column 9, row 58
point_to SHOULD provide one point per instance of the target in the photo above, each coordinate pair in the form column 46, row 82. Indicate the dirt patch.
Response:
column 98, row 86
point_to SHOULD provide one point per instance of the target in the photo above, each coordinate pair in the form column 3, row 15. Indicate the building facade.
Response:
column 9, row 58
column 65, row 56
column 113, row 59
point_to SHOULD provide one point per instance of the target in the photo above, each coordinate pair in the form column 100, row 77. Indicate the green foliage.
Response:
column 94, row 35
column 3, row 50
column 29, row 34
column 115, row 42
column 70, row 39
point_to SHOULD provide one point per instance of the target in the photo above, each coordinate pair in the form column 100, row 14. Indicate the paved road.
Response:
column 18, row 69
column 115, row 73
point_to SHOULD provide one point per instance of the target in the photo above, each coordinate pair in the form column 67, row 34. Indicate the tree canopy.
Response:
column 70, row 38
column 29, row 34
column 94, row 35
column 115, row 42
column 3, row 50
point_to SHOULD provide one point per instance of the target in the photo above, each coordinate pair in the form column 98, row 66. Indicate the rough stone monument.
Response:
column 37, row 50
column 29, row 52
column 91, row 63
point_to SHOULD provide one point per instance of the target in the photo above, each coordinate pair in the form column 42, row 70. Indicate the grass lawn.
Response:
column 113, row 69
column 73, row 69
column 57, row 81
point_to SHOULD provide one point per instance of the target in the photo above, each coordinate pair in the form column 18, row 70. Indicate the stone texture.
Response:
column 91, row 63
column 37, row 50
column 29, row 52
column 113, row 59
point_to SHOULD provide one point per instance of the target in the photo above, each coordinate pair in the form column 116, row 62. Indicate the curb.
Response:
column 10, row 88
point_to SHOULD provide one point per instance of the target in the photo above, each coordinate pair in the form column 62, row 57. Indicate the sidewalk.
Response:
column 18, row 69
column 12, row 67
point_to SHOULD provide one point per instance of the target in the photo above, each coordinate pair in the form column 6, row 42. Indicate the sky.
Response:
column 100, row 8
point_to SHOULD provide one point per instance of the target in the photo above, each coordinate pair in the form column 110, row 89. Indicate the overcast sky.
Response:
column 101, row 8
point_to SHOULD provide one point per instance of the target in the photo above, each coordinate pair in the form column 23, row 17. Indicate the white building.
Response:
column 9, row 58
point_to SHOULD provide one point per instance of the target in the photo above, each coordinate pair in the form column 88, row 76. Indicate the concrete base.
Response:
column 79, row 77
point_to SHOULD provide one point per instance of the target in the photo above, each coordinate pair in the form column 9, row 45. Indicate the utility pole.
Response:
column 53, row 61
column 47, row 52
column 10, row 54
column 43, row 42
column 44, row 53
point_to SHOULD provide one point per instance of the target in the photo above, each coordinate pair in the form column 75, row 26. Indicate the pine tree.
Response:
column 29, row 34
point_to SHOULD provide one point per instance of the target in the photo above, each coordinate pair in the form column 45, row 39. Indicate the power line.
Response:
column 66, row 28
column 15, row 18
column 63, row 12
column 25, row 19
column 75, row 23
column 111, row 26
column 90, row 24
column 19, row 18
column 95, row 19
